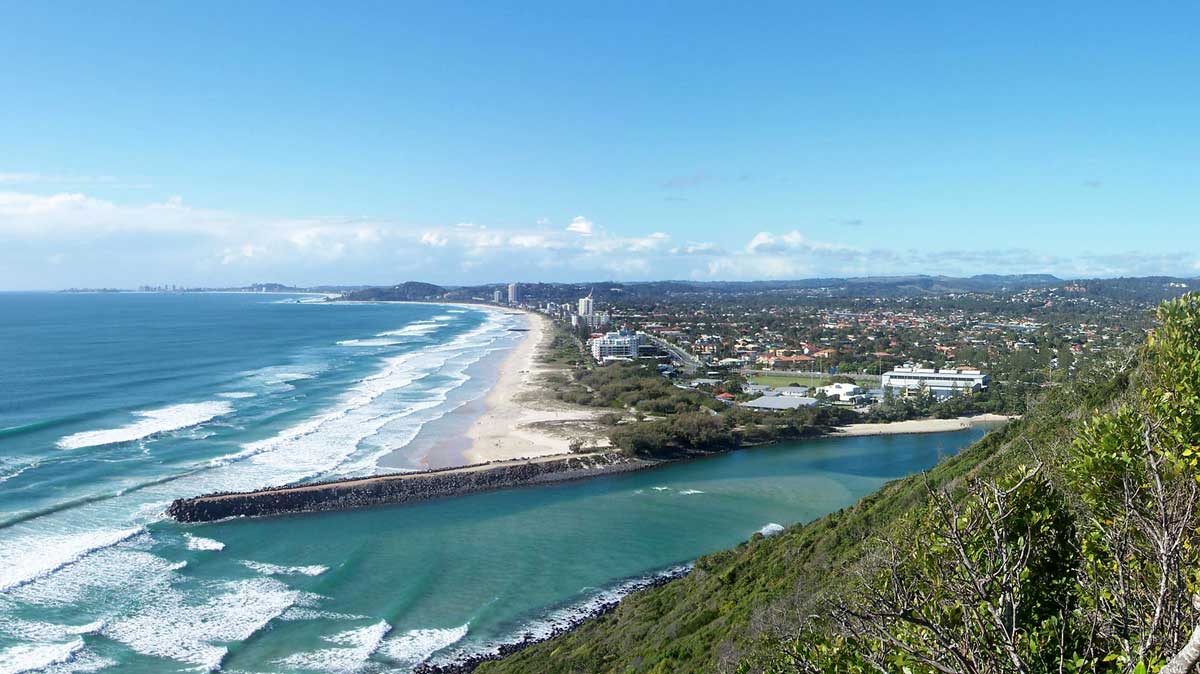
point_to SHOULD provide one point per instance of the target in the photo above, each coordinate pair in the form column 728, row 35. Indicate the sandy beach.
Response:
column 919, row 426
column 521, row 416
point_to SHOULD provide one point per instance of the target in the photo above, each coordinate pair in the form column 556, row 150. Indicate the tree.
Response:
column 1088, row 563
column 1135, row 471
column 988, row 590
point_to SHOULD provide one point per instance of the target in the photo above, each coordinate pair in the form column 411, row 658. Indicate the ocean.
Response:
column 112, row 405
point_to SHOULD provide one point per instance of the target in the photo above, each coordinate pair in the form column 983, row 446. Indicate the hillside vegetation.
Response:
column 1065, row 542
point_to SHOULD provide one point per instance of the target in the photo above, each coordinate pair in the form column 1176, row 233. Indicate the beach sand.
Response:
column 521, row 416
column 919, row 426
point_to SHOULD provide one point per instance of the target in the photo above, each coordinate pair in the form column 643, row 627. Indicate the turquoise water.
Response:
column 112, row 405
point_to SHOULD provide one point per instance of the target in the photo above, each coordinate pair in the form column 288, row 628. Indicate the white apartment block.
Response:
column 616, row 345
column 941, row 383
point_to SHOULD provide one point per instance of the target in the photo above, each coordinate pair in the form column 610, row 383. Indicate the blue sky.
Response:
column 220, row 143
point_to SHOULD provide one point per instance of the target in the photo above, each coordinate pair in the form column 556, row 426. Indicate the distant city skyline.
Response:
column 460, row 144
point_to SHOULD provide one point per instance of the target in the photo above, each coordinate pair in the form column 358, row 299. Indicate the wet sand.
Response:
column 521, row 416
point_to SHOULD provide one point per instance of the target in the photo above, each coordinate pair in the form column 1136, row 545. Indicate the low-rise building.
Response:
column 777, row 403
column 842, row 391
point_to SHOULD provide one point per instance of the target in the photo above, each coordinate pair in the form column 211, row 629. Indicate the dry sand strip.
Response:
column 522, row 418
column 919, row 426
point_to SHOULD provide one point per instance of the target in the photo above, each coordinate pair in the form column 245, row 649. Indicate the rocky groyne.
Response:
column 400, row 488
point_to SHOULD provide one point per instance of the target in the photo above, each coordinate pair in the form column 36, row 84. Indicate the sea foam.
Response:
column 771, row 529
column 37, row 657
column 379, row 341
column 278, row 570
column 416, row 329
column 416, row 646
column 168, row 625
column 149, row 423
column 548, row 626
column 352, row 648
column 332, row 442
column 198, row 543
column 20, row 565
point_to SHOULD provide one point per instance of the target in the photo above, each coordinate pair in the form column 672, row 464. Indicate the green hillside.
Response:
column 1064, row 542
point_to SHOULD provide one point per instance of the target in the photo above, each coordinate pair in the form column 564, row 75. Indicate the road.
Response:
column 689, row 362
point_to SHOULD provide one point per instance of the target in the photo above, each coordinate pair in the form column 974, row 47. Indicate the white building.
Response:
column 941, row 383
column 594, row 320
column 778, row 403
column 616, row 345
column 586, row 306
column 514, row 293
column 497, row 296
column 842, row 390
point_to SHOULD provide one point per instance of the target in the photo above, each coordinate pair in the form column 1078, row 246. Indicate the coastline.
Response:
column 514, row 416
column 556, row 625
column 918, row 426
column 521, row 418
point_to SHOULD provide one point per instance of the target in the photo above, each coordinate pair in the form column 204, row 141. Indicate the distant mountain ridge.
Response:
column 1153, row 288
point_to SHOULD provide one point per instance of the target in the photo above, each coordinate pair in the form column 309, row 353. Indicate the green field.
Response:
column 802, row 378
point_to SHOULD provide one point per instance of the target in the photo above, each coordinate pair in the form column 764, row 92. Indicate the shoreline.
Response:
column 556, row 625
column 514, row 416
column 915, row 426
column 412, row 487
column 520, row 416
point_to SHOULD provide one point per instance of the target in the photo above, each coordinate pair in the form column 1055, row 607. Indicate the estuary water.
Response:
column 112, row 405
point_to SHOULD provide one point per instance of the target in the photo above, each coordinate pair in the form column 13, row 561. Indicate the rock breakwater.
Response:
column 400, row 488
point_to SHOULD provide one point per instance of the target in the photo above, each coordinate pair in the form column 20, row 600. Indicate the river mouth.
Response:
column 195, row 394
column 505, row 563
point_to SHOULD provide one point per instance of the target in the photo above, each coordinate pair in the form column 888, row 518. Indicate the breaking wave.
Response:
column 278, row 570
column 150, row 422
column 198, row 543
column 771, row 529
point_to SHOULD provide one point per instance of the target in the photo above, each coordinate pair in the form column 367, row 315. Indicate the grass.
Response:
column 802, row 378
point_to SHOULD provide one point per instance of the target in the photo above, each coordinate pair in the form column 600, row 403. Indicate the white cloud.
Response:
column 241, row 253
column 793, row 241
column 746, row 267
column 581, row 226
column 648, row 243
column 530, row 241
column 434, row 239
column 124, row 244
column 694, row 248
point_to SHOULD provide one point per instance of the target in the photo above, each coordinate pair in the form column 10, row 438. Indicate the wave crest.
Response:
column 150, row 422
